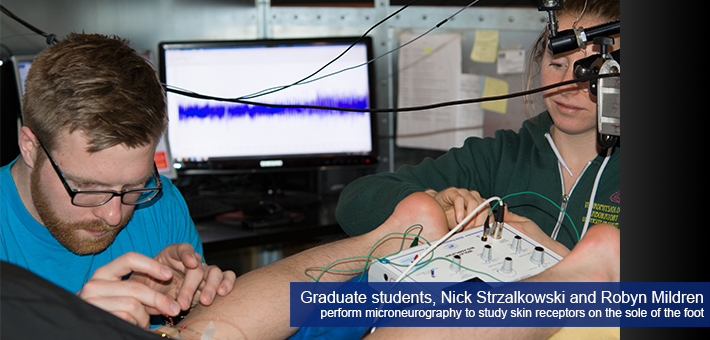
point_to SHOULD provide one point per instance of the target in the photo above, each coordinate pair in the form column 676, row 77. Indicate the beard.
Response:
column 68, row 233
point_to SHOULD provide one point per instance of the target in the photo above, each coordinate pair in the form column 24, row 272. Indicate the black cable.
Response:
column 51, row 38
column 280, row 88
column 403, row 109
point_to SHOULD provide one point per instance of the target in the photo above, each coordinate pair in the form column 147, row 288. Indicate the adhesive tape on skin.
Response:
column 209, row 331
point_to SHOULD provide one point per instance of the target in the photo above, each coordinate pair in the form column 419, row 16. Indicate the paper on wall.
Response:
column 430, row 72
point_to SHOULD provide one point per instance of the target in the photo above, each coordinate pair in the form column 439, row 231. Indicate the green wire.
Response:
column 549, row 200
column 424, row 264
column 370, row 260
column 368, row 257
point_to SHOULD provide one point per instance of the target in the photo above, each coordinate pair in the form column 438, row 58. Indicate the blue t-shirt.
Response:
column 25, row 242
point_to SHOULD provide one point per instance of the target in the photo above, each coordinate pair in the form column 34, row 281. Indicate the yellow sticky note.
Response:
column 495, row 87
column 485, row 47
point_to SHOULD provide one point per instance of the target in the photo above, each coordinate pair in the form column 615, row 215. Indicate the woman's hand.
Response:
column 459, row 203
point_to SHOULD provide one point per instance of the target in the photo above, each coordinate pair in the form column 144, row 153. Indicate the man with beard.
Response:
column 84, row 206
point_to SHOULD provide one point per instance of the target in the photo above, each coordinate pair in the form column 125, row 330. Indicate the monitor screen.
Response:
column 217, row 135
column 22, row 64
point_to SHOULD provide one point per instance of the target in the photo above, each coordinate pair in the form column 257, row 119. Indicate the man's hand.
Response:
column 192, row 281
column 459, row 203
column 176, row 279
column 128, row 299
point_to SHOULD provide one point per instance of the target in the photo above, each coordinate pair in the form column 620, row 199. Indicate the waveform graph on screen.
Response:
column 223, row 129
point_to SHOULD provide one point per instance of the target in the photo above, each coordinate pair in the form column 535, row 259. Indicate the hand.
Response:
column 459, row 203
column 192, row 281
column 128, row 299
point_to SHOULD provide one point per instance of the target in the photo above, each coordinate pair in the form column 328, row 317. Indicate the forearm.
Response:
column 257, row 307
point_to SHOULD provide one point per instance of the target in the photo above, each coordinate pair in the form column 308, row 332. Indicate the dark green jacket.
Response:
column 507, row 164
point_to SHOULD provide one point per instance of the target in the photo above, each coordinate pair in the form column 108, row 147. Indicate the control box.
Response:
column 506, row 256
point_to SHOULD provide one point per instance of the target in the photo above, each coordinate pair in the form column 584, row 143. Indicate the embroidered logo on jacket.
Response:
column 616, row 197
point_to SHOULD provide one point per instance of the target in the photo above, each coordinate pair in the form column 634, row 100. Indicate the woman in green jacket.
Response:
column 553, row 158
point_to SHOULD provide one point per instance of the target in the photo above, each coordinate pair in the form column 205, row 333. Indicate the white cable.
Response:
column 446, row 237
column 557, row 153
column 560, row 163
column 594, row 192
column 574, row 25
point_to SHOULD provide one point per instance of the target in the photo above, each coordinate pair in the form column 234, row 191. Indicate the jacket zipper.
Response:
column 565, row 199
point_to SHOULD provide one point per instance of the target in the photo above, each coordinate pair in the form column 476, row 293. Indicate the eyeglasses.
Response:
column 95, row 198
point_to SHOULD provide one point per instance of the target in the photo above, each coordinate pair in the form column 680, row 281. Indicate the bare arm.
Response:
column 150, row 289
column 258, row 307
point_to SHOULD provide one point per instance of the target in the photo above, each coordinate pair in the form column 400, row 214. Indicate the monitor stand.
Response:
column 264, row 209
column 270, row 204
column 282, row 208
column 265, row 213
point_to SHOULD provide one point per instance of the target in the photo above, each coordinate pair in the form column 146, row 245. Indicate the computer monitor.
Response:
column 217, row 136
column 21, row 64
column 163, row 158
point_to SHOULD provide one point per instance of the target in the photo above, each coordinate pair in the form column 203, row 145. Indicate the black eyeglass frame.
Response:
column 73, row 192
